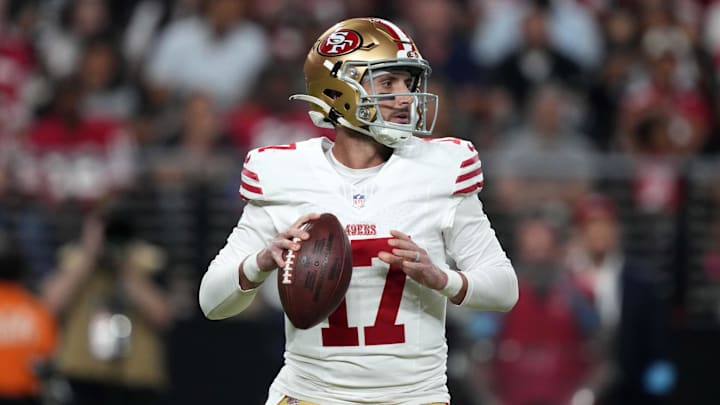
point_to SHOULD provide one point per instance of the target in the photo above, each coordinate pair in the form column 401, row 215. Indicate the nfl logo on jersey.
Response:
column 358, row 200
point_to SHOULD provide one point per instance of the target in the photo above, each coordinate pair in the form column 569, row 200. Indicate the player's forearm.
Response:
column 491, row 280
column 493, row 287
column 221, row 295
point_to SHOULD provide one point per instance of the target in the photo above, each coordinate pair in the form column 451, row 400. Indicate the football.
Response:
column 315, row 278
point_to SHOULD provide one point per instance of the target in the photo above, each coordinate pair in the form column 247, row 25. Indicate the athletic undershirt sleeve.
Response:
column 220, row 294
column 472, row 244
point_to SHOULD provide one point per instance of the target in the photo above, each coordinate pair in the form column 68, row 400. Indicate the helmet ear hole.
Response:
column 332, row 94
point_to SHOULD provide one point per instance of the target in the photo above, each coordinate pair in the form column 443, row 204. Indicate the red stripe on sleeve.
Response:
column 251, row 188
column 470, row 161
column 468, row 175
column 469, row 189
column 250, row 174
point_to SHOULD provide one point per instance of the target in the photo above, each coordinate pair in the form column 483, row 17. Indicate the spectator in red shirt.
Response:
column 17, row 65
column 543, row 349
column 670, row 89
column 69, row 157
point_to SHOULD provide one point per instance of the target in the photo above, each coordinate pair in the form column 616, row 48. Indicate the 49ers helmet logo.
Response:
column 340, row 42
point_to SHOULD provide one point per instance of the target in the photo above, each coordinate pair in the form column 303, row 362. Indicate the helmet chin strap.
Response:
column 389, row 137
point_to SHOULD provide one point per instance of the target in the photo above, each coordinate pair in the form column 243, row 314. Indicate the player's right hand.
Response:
column 271, row 257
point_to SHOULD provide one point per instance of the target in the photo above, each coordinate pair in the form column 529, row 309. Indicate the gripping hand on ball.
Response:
column 416, row 264
column 413, row 260
column 271, row 257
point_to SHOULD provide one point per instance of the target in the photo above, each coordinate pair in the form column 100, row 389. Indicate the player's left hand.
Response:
column 414, row 261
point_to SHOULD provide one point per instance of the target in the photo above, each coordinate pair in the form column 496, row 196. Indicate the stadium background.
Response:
column 630, row 95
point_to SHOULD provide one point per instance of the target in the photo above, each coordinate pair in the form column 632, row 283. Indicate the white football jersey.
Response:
column 385, row 344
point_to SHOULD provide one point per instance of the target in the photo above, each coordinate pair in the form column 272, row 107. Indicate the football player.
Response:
column 410, row 206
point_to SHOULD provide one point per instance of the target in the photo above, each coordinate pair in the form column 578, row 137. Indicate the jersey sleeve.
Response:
column 260, row 179
column 220, row 294
column 469, row 178
column 472, row 244
column 251, row 187
column 461, row 162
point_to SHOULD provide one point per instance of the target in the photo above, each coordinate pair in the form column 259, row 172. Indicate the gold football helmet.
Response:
column 352, row 51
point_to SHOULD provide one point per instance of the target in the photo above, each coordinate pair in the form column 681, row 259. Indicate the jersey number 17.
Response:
column 385, row 330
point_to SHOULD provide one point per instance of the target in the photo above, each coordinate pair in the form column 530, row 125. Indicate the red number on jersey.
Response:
column 384, row 331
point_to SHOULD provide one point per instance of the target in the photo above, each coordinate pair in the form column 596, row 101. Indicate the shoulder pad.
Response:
column 251, row 186
column 466, row 161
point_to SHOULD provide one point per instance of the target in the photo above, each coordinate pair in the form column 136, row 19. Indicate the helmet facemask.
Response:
column 368, row 111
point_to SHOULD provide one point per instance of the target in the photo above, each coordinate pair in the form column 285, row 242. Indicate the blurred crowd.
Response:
column 123, row 126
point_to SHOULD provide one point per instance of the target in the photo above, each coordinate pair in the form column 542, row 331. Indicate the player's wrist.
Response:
column 265, row 260
column 454, row 283
column 252, row 271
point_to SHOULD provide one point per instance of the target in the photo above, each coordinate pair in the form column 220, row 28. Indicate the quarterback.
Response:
column 410, row 206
